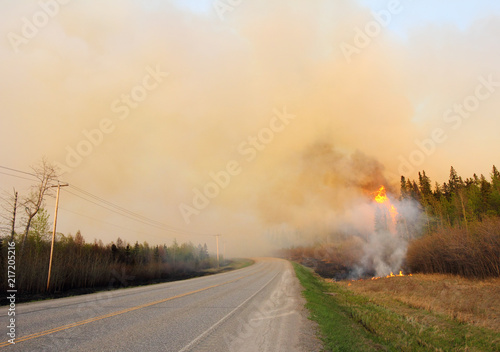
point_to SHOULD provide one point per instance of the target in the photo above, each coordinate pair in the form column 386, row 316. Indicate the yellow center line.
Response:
column 87, row 321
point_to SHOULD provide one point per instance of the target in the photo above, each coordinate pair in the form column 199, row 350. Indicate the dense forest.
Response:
column 457, row 202
column 462, row 225
column 77, row 264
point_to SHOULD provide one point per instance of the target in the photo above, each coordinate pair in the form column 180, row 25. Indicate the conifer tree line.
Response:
column 457, row 202
column 81, row 265
column 461, row 225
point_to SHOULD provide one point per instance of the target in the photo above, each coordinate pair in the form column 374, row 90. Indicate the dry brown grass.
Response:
column 475, row 302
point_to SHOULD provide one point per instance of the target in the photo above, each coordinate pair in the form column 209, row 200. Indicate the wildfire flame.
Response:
column 381, row 198
column 391, row 275
column 382, row 277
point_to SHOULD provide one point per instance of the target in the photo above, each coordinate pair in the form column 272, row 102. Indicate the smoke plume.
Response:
column 141, row 101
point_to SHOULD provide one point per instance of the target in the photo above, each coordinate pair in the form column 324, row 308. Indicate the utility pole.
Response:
column 217, row 240
column 14, row 217
column 224, row 253
column 54, row 231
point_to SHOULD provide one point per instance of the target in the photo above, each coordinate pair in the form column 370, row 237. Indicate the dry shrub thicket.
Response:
column 472, row 253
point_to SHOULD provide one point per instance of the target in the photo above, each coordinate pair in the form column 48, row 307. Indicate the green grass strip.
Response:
column 351, row 322
column 339, row 331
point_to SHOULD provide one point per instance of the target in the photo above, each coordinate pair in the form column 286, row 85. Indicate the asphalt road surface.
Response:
column 258, row 308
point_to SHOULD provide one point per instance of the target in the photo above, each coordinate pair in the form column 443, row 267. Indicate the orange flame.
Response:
column 390, row 275
column 381, row 198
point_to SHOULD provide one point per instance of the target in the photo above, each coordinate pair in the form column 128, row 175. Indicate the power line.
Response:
column 24, row 178
column 109, row 223
column 134, row 214
column 104, row 222
column 22, row 172
column 95, row 219
column 109, row 209
column 5, row 199
column 121, row 208
column 103, row 203
column 130, row 214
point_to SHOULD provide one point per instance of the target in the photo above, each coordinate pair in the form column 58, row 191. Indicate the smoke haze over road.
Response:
column 141, row 102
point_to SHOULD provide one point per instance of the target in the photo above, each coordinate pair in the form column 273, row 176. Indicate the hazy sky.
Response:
column 281, row 114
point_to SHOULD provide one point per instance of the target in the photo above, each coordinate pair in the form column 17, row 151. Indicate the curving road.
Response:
column 258, row 308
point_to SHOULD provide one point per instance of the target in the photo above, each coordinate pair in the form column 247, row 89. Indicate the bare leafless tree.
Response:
column 9, row 207
column 47, row 175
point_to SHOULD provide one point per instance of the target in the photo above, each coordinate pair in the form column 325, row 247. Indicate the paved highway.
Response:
column 258, row 308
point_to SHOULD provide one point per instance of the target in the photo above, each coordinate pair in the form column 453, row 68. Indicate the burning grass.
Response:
column 475, row 302
column 417, row 313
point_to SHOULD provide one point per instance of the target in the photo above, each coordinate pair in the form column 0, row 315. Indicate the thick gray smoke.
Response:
column 384, row 248
column 327, row 200
column 143, row 100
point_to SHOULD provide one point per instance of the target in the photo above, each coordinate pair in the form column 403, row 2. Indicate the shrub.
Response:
column 473, row 253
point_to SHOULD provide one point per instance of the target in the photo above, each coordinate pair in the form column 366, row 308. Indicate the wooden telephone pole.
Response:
column 224, row 253
column 217, row 240
column 54, row 232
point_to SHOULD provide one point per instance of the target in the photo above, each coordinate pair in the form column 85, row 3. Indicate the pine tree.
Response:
column 404, row 189
column 454, row 181
column 477, row 180
column 438, row 193
column 495, row 179
column 494, row 197
column 473, row 195
column 409, row 189
column 437, row 203
column 446, row 191
column 425, row 185
column 416, row 191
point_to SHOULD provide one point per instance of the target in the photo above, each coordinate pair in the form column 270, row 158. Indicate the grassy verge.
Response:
column 362, row 322
column 448, row 295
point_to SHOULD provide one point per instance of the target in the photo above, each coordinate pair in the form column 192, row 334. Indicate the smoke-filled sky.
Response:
column 236, row 117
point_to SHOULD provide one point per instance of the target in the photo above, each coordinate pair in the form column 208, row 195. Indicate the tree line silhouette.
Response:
column 81, row 265
column 457, row 202
column 461, row 227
